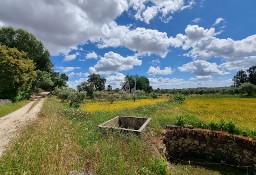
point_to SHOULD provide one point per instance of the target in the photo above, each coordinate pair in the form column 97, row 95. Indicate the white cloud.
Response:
column 78, row 74
column 73, row 84
column 68, row 69
column 202, row 68
column 204, row 44
column 62, row 24
column 169, row 83
column 196, row 20
column 115, row 80
column 157, row 71
column 218, row 21
column 70, row 57
column 91, row 55
column 113, row 62
column 141, row 40
column 146, row 13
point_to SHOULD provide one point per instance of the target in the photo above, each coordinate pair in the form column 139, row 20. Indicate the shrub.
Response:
column 247, row 88
column 181, row 121
column 154, row 95
column 111, row 99
column 178, row 98
column 76, row 98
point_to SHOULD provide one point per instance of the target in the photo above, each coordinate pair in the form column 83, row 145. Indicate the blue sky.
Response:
column 175, row 43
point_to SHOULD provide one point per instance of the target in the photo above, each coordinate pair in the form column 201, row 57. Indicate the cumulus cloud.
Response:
column 146, row 12
column 218, row 21
column 157, row 71
column 202, row 68
column 170, row 83
column 68, row 69
column 62, row 24
column 115, row 80
column 204, row 44
column 91, row 55
column 113, row 62
column 78, row 74
column 70, row 57
column 141, row 40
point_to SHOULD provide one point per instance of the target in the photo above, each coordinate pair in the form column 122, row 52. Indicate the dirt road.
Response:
column 11, row 123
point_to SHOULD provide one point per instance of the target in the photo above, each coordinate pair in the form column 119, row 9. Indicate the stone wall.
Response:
column 212, row 145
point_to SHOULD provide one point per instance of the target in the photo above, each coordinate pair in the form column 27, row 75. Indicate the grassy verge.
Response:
column 10, row 107
column 66, row 139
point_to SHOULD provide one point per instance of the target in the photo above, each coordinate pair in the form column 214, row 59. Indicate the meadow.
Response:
column 67, row 139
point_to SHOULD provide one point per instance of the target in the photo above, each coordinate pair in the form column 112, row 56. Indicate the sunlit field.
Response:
column 120, row 105
column 242, row 111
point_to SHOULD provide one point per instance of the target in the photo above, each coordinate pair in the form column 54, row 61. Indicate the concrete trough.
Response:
column 134, row 125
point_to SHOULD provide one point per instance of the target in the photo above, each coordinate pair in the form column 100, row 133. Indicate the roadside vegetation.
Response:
column 8, row 108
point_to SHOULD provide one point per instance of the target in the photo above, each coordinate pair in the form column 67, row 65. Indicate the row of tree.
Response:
column 25, row 65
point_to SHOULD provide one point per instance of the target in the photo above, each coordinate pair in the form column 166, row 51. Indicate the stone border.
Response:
column 212, row 145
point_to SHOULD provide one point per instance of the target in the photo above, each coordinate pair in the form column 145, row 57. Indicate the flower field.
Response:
column 119, row 105
column 242, row 111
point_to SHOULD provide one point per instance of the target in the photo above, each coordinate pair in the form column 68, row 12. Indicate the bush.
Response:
column 111, row 99
column 76, row 98
column 154, row 95
column 181, row 121
column 159, row 166
column 247, row 88
column 177, row 98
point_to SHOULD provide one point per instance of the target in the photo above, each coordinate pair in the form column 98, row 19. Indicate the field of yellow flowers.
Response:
column 120, row 105
column 242, row 111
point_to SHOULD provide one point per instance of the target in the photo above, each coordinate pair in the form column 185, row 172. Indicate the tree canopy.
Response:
column 142, row 82
column 16, row 73
column 242, row 77
column 97, row 82
column 24, row 41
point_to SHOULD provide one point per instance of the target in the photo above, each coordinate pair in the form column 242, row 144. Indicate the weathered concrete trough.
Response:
column 134, row 125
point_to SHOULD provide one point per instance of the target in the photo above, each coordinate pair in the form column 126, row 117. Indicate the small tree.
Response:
column 16, row 73
column 76, row 97
column 240, row 78
column 247, row 88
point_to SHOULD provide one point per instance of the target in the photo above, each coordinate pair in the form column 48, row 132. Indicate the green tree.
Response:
column 142, row 82
column 43, row 80
column 109, row 88
column 59, row 80
column 240, row 78
column 252, row 75
column 16, row 73
column 247, row 88
column 97, row 82
column 24, row 41
column 88, row 87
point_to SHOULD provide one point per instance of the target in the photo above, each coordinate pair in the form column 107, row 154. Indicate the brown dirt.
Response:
column 11, row 124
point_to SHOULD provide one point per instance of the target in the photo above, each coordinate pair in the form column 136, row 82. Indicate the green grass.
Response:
column 10, row 107
column 67, row 139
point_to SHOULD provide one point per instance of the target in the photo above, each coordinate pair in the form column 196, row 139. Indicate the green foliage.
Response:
column 24, row 41
column 88, row 87
column 16, row 74
column 142, row 82
column 177, row 98
column 43, row 80
column 159, row 166
column 76, row 98
column 111, row 99
column 247, row 88
column 10, row 107
column 252, row 75
column 153, row 95
column 223, row 125
column 180, row 121
column 97, row 82
column 71, row 95
column 109, row 88
column 240, row 78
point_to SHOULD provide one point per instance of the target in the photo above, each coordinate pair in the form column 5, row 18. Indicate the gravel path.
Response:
column 11, row 123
